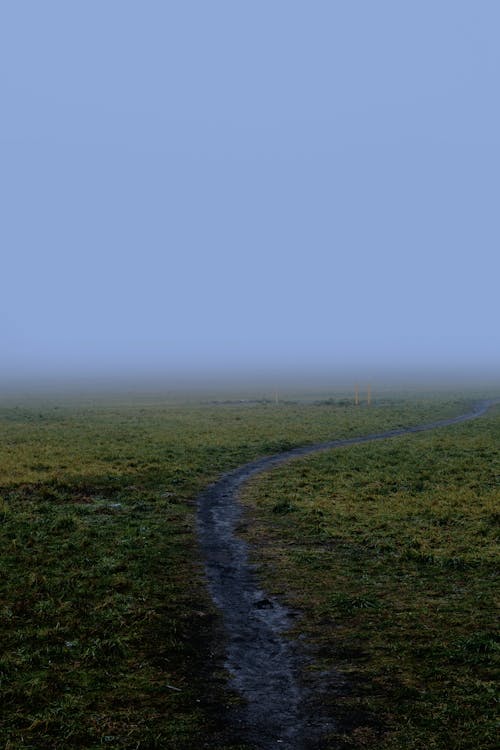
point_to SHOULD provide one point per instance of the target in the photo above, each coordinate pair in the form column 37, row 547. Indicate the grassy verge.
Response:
column 107, row 630
column 389, row 550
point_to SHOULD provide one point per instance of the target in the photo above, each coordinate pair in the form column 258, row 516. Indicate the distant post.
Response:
column 356, row 395
column 369, row 395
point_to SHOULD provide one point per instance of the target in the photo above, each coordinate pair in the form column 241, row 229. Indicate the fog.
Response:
column 249, row 192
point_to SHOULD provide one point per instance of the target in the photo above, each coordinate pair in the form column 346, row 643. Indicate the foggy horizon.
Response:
column 229, row 192
column 269, row 384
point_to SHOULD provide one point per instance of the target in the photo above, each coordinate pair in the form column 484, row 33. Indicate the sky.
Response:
column 200, row 187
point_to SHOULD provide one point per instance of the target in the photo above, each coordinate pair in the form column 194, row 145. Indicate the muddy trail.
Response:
column 277, row 709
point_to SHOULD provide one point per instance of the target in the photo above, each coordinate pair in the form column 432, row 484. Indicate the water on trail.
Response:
column 265, row 665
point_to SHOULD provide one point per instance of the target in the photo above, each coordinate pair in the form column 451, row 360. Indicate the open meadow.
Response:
column 109, row 636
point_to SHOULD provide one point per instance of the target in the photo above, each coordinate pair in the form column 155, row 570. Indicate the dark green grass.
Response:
column 107, row 632
column 390, row 551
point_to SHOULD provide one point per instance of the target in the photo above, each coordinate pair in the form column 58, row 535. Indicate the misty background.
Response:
column 193, row 188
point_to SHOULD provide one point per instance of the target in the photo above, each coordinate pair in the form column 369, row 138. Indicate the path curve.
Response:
column 265, row 665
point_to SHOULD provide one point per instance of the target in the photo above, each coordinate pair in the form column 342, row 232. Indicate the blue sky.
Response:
column 247, row 186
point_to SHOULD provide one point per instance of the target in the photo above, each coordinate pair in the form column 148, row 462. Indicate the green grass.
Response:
column 390, row 551
column 107, row 630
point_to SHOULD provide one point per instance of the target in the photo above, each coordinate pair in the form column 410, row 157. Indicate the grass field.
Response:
column 390, row 551
column 106, row 626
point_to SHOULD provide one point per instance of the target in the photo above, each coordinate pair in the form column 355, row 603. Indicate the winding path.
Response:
column 265, row 665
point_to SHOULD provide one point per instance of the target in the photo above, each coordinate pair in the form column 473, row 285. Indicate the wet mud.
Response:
column 278, row 709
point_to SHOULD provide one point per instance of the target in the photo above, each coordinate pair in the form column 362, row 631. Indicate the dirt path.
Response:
column 264, row 665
